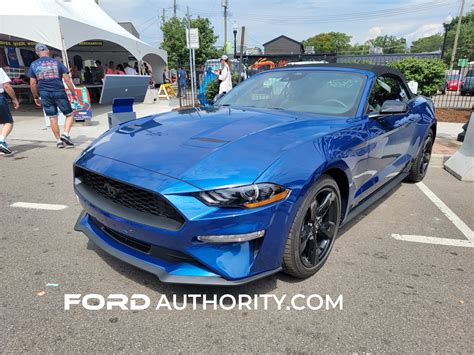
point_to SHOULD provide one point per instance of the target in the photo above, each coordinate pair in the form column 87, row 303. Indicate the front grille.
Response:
column 128, row 196
column 153, row 250
column 122, row 238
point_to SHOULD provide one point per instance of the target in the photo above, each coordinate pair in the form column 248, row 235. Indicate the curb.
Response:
column 439, row 159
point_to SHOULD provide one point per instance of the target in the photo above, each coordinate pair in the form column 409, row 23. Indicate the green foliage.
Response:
column 466, row 38
column 359, row 49
column 212, row 89
column 389, row 44
column 427, row 44
column 428, row 72
column 174, row 41
column 207, row 40
column 330, row 42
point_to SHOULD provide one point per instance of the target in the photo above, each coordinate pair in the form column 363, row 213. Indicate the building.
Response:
column 254, row 51
column 283, row 45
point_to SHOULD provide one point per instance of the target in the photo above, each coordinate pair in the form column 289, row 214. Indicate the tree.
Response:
column 428, row 72
column 466, row 38
column 389, row 44
column 174, row 41
column 330, row 42
column 427, row 44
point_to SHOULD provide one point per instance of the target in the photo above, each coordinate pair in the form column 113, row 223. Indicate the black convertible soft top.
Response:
column 376, row 69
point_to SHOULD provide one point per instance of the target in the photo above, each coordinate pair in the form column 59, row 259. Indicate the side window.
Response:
column 386, row 88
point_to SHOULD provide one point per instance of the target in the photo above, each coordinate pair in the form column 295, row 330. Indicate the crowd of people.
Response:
column 90, row 75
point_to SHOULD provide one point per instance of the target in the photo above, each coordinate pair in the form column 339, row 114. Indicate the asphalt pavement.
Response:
column 399, row 296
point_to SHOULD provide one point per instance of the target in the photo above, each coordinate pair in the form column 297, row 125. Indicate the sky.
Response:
column 298, row 19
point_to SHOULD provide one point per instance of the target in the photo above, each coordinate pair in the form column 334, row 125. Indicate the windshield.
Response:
column 312, row 91
column 453, row 77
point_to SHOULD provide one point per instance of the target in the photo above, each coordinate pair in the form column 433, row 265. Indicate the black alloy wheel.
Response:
column 314, row 229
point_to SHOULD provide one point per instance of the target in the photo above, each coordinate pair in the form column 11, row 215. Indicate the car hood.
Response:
column 208, row 149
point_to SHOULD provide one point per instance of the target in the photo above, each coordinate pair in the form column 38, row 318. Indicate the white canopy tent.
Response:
column 63, row 24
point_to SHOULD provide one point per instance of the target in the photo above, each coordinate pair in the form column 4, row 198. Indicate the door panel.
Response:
column 390, row 136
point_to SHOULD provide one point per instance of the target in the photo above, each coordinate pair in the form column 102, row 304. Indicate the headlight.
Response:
column 250, row 196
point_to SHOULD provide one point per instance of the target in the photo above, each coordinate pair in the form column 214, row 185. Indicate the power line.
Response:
column 354, row 16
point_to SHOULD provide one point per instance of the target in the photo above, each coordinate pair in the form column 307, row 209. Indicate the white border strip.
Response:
column 432, row 240
column 468, row 233
column 39, row 206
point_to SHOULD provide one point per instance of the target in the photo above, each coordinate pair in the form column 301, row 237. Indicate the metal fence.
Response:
column 457, row 90
column 185, row 98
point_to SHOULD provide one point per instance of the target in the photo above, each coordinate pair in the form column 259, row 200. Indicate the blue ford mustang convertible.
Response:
column 259, row 183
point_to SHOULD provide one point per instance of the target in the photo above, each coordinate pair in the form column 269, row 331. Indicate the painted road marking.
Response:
column 459, row 224
column 39, row 206
column 432, row 240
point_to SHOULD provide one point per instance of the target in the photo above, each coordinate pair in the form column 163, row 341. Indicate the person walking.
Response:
column 6, row 118
column 166, row 75
column 225, row 76
column 182, row 81
column 46, row 82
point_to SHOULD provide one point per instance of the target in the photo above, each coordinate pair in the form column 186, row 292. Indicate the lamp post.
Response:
column 234, row 27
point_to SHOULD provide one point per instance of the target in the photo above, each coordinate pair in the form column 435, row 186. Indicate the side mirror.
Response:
column 393, row 106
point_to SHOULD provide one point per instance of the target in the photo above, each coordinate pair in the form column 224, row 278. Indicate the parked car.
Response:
column 453, row 82
column 259, row 183
column 467, row 84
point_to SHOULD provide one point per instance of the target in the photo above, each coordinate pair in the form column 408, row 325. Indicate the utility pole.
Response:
column 163, row 17
column 456, row 38
column 191, row 55
column 174, row 8
column 225, row 3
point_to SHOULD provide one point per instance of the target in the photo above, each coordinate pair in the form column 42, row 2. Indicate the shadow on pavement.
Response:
column 22, row 148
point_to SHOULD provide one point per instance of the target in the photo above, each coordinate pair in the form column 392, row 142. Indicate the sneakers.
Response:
column 60, row 145
column 4, row 148
column 66, row 139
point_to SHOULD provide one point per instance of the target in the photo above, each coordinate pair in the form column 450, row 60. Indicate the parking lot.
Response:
column 405, row 269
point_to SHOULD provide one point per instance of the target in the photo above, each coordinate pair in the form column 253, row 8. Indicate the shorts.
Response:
column 54, row 100
column 5, row 113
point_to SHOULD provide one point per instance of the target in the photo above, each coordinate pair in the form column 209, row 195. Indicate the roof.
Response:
column 283, row 36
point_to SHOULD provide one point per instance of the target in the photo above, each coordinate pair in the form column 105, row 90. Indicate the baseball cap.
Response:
column 224, row 57
column 40, row 47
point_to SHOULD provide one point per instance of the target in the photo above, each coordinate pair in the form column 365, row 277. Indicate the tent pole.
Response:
column 63, row 44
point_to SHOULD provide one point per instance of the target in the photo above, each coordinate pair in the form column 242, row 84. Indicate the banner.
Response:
column 82, row 107
column 32, row 44
column 12, row 56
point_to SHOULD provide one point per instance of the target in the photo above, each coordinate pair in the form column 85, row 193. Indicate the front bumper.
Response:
column 180, row 274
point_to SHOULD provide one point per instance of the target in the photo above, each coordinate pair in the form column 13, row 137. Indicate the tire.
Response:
column 420, row 165
column 322, row 205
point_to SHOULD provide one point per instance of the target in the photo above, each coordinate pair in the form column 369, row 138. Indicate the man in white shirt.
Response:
column 129, row 70
column 6, row 118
